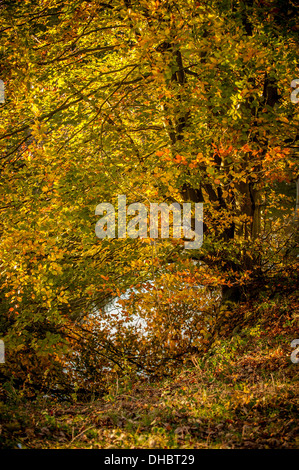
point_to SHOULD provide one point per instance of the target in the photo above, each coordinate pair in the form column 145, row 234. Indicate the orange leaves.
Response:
column 192, row 165
column 246, row 148
column 13, row 309
column 277, row 176
column 164, row 152
column 199, row 159
column 276, row 153
column 277, row 164
column 180, row 159
column 222, row 151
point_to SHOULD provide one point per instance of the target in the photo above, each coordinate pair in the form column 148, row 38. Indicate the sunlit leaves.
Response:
column 159, row 101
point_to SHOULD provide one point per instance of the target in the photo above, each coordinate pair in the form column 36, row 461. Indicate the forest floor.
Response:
column 242, row 394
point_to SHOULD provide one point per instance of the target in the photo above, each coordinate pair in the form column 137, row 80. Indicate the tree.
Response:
column 161, row 101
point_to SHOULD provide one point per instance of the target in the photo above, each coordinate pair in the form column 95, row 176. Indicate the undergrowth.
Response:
column 242, row 393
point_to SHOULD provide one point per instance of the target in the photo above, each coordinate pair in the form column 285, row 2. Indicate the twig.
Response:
column 82, row 432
